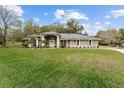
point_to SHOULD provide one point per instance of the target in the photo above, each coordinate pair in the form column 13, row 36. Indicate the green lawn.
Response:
column 61, row 68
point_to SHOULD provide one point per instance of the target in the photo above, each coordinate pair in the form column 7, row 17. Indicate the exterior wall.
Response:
column 82, row 44
column 87, row 44
column 72, row 43
column 94, row 43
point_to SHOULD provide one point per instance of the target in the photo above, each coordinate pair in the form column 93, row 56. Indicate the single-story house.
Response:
column 54, row 39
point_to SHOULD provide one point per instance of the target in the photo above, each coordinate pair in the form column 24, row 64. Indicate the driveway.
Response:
column 121, row 50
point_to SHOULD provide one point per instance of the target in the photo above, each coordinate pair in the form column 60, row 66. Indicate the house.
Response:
column 54, row 39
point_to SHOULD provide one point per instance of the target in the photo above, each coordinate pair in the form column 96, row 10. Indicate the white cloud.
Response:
column 99, row 27
column 59, row 13
column 36, row 19
column 76, row 15
column 21, row 19
column 86, row 26
column 107, row 23
column 117, row 13
column 108, row 16
column 14, row 9
column 63, row 21
column 98, row 23
column 46, row 13
column 69, row 14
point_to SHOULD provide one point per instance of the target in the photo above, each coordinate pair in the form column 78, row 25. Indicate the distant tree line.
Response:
column 111, row 37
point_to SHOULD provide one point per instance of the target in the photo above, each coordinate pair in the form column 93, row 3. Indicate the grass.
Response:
column 61, row 68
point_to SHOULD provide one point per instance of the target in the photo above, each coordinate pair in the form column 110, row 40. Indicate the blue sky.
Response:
column 92, row 17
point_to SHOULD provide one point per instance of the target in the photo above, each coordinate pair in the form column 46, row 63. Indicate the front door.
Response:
column 52, row 43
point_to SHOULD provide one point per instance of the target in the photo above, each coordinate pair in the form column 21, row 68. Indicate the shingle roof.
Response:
column 67, row 36
column 74, row 36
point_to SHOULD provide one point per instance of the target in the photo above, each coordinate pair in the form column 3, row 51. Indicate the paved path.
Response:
column 115, row 49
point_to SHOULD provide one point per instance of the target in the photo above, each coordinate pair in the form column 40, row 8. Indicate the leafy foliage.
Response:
column 53, row 27
column 30, row 27
column 109, row 37
column 73, row 26
column 121, row 32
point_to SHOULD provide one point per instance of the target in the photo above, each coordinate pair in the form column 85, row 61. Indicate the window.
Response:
column 63, row 43
column 90, row 42
column 77, row 42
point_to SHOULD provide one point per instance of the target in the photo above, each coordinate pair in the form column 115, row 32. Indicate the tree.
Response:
column 9, row 18
column 17, row 35
column 121, row 37
column 57, row 27
column 73, row 26
column 30, row 27
column 0, row 36
column 108, row 37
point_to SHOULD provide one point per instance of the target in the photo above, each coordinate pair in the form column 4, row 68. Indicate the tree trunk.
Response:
column 4, row 37
column 4, row 41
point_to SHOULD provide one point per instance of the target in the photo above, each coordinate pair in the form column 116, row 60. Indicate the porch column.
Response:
column 36, row 42
column 66, row 43
column 58, row 42
column 42, row 40
column 76, row 44
column 79, row 43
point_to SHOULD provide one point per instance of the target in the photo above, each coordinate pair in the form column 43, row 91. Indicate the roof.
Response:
column 75, row 36
column 50, row 33
column 67, row 36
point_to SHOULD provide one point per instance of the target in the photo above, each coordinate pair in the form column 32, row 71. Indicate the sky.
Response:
column 92, row 17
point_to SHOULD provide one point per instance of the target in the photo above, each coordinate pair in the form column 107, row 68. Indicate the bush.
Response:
column 11, row 44
column 103, row 43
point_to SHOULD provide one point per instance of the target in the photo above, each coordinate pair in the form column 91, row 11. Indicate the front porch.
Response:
column 50, row 41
